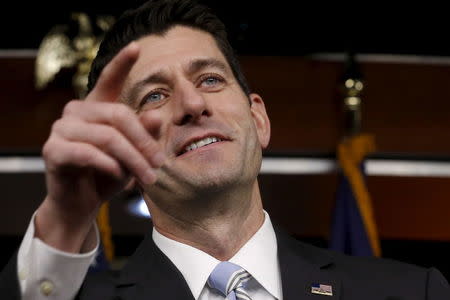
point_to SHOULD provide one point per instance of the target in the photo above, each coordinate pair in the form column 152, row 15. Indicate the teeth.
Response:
column 201, row 143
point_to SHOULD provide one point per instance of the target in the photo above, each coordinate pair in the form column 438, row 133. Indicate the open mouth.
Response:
column 200, row 143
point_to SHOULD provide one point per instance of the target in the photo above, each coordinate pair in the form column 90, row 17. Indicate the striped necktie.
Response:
column 230, row 279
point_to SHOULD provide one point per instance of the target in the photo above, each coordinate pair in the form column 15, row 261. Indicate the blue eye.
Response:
column 155, row 97
column 211, row 81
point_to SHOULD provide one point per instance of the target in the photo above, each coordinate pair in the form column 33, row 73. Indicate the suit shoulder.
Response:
column 354, row 266
column 374, row 264
column 9, row 282
column 98, row 285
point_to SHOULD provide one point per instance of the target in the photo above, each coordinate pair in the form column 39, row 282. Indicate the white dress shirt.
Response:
column 48, row 273
column 258, row 257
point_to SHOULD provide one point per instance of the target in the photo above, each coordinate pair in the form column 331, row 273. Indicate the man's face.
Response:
column 187, row 97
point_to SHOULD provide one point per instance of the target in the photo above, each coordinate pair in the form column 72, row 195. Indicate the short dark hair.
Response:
column 157, row 17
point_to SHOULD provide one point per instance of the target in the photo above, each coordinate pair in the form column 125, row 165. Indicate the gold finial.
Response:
column 353, row 87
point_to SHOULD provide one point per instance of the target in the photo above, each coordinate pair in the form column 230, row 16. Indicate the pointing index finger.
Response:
column 112, row 78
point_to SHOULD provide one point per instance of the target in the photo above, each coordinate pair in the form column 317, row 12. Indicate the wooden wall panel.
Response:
column 412, row 208
column 405, row 106
column 27, row 114
column 409, row 208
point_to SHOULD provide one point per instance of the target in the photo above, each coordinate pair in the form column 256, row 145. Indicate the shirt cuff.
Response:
column 48, row 273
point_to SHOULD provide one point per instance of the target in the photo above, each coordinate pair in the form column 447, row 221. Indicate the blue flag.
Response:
column 353, row 226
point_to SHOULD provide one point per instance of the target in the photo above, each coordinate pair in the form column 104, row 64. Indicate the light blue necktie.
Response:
column 229, row 279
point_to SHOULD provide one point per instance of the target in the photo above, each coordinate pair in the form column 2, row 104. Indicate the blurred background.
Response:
column 297, row 58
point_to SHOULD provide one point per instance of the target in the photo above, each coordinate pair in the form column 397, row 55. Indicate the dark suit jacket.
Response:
column 151, row 275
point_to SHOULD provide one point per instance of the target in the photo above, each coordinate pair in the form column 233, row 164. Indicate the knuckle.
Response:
column 58, row 154
column 83, row 156
column 70, row 156
column 57, row 125
column 47, row 149
column 107, row 137
column 121, row 113
column 54, row 153
column 71, row 107
column 148, row 146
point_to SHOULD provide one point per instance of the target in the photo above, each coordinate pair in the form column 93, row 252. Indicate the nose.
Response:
column 190, row 105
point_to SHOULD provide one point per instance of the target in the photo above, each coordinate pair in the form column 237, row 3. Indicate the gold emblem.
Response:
column 70, row 46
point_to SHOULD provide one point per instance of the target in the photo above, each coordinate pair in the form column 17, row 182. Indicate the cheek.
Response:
column 235, row 105
column 238, row 117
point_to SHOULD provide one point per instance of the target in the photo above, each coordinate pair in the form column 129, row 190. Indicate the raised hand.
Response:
column 94, row 150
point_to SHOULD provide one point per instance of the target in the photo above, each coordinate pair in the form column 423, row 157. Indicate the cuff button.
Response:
column 47, row 287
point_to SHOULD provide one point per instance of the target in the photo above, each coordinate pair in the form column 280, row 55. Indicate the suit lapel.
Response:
column 303, row 266
column 150, row 274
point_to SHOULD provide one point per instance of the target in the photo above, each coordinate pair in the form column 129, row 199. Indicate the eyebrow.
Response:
column 160, row 77
column 200, row 64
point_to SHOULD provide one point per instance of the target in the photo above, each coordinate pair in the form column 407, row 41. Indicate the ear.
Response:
column 262, row 122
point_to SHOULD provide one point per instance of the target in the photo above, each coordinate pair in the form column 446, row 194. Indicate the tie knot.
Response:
column 228, row 277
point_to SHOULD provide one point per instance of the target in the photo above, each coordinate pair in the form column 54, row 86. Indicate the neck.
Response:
column 220, row 228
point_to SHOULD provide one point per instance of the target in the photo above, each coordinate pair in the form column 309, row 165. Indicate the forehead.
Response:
column 174, row 50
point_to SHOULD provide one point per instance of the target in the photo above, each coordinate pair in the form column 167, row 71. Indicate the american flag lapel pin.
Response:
column 321, row 289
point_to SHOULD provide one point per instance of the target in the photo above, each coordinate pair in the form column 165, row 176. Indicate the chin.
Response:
column 212, row 180
column 219, row 181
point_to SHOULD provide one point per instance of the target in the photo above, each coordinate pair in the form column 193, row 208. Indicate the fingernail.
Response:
column 149, row 177
column 158, row 159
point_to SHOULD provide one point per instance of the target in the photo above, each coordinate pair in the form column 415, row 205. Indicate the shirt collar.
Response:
column 262, row 247
column 196, row 265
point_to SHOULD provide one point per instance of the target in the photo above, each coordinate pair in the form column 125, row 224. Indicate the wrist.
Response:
column 63, row 230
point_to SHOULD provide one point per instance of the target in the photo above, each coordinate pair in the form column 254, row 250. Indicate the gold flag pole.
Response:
column 353, row 149
column 353, row 87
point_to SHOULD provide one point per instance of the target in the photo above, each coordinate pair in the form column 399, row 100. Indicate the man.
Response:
column 170, row 111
